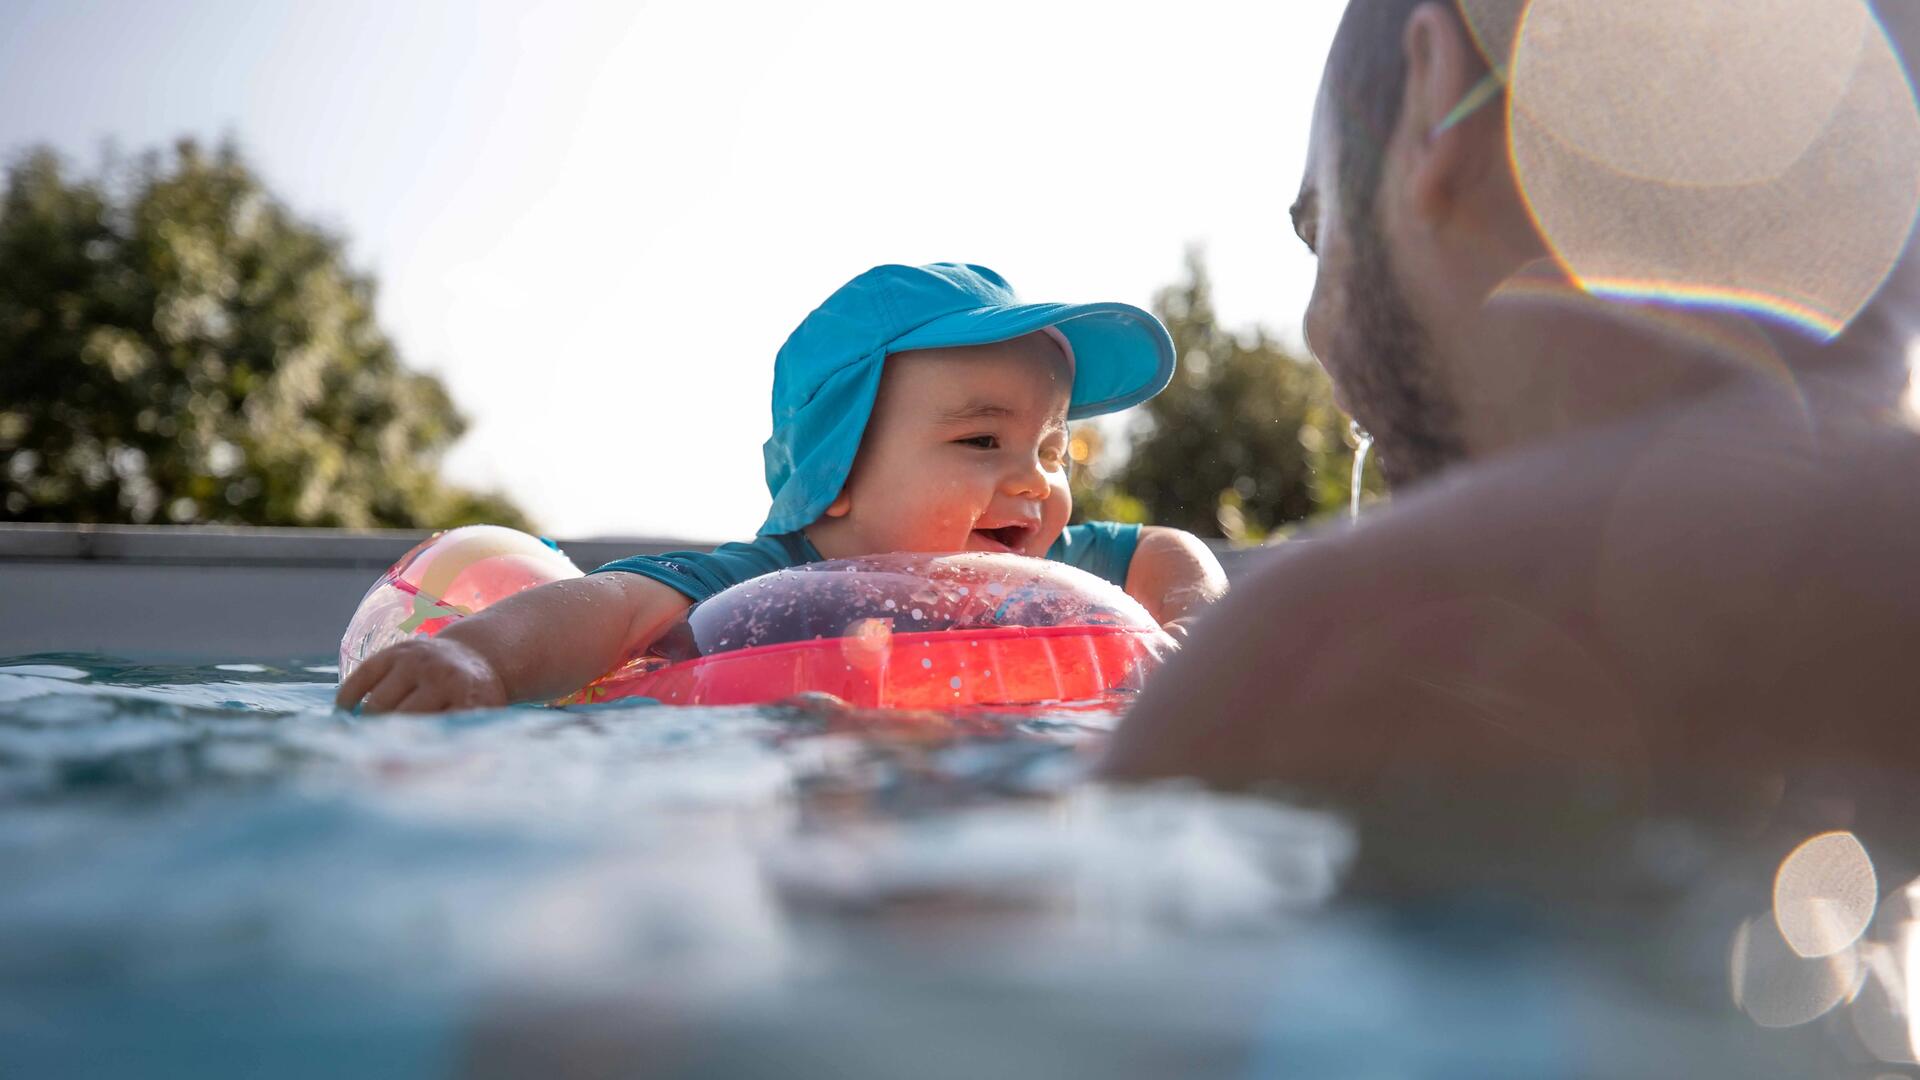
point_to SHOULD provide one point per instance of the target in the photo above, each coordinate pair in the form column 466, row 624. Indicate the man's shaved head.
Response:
column 1361, row 325
column 1366, row 78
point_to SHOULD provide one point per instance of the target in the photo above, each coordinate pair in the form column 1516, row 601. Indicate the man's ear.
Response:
column 841, row 503
column 1447, row 132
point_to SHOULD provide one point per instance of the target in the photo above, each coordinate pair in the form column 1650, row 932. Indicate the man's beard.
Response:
column 1387, row 373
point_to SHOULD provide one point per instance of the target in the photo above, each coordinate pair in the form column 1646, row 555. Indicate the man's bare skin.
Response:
column 1631, row 571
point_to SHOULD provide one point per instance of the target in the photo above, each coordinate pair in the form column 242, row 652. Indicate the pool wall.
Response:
column 191, row 592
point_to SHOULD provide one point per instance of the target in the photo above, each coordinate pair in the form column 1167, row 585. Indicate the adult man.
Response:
column 1640, row 560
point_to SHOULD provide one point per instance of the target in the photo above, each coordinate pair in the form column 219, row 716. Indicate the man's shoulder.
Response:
column 1735, row 569
column 1688, row 472
column 1736, row 536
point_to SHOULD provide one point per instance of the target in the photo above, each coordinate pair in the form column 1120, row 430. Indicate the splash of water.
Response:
column 1362, row 445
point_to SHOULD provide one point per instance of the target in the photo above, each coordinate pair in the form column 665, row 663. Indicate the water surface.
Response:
column 209, row 872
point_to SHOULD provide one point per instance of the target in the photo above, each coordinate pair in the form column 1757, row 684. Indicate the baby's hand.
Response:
column 1180, row 629
column 423, row 675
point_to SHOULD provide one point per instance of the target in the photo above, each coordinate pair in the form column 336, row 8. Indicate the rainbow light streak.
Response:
column 1818, row 323
column 1723, row 298
column 1821, row 325
column 1717, row 337
column 1490, row 86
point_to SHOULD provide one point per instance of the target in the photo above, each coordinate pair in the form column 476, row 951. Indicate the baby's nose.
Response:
column 1028, row 479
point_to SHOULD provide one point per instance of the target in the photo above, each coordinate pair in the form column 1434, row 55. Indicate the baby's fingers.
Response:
column 386, row 695
column 364, row 678
column 423, row 699
column 1179, row 629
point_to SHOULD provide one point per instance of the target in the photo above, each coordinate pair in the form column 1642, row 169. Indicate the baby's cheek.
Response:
column 1059, row 506
column 1054, row 515
column 949, row 520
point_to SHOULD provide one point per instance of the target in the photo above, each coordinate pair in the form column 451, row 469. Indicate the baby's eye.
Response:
column 980, row 442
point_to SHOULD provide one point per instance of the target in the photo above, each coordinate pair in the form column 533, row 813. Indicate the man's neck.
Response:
column 1554, row 362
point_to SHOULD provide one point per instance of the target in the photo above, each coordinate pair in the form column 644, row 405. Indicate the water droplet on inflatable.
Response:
column 954, row 682
column 926, row 663
column 917, row 614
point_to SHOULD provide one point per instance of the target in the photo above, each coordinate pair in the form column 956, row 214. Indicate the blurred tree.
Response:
column 176, row 346
column 1095, row 496
column 1245, row 441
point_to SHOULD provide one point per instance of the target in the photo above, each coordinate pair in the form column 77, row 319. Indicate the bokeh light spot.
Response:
column 1825, row 894
column 1647, row 55
column 1910, row 399
column 1777, row 987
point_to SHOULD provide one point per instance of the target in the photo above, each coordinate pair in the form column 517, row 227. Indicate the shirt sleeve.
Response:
column 1101, row 548
column 698, row 575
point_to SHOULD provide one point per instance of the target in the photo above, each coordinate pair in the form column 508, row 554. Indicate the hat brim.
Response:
column 1121, row 355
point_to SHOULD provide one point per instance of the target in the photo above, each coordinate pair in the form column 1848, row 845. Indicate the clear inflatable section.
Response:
column 445, row 577
column 887, row 631
column 902, row 631
column 901, row 594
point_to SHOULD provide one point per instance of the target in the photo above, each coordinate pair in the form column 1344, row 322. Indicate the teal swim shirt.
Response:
column 1101, row 548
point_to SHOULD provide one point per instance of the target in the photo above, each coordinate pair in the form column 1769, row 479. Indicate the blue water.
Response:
column 206, row 871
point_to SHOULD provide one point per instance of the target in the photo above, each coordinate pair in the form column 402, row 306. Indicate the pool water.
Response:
column 207, row 871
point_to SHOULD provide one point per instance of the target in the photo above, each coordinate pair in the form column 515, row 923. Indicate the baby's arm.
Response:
column 533, row 646
column 1174, row 576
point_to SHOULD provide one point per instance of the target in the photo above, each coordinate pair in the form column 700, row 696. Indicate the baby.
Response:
column 917, row 409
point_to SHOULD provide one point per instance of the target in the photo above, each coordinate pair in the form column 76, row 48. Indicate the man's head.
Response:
column 1491, row 276
column 966, row 450
column 1384, row 208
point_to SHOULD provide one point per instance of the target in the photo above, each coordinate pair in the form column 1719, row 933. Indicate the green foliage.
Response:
column 1245, row 442
column 1095, row 496
column 175, row 345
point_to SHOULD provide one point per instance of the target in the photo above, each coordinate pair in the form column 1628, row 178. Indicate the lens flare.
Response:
column 1825, row 894
column 1778, row 988
column 1494, row 24
column 1910, row 938
column 1729, row 340
column 1878, row 1014
column 1882, row 1015
column 1761, row 156
column 1910, row 398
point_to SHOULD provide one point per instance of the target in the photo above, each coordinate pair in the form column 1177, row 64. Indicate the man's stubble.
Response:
column 1390, row 378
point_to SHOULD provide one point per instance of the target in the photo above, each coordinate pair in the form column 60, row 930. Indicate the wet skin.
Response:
column 1657, row 570
column 965, row 451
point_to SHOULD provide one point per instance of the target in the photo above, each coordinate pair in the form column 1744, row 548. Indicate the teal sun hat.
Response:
column 827, row 375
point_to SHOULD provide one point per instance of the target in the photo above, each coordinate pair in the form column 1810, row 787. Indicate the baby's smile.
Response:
column 1011, row 536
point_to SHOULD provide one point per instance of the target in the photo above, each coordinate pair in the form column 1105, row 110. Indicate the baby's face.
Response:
column 966, row 451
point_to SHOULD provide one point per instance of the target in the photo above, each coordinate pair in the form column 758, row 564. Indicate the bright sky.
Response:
column 598, row 221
